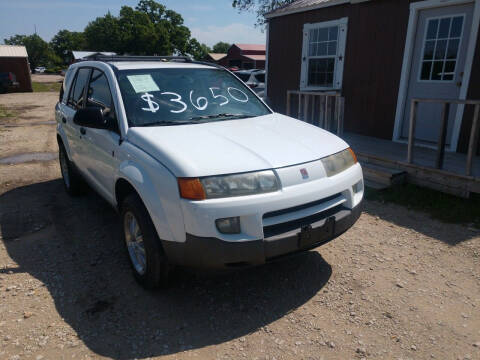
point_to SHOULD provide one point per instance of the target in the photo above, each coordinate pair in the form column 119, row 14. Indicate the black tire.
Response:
column 156, row 271
column 72, row 181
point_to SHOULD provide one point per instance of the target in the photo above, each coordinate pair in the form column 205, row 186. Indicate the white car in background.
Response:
column 40, row 69
column 202, row 172
column 255, row 79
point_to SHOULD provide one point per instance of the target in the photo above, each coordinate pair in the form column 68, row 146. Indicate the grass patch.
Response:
column 444, row 207
column 46, row 87
column 5, row 113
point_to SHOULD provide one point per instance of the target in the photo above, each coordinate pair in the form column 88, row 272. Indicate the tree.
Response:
column 38, row 50
column 196, row 50
column 103, row 34
column 65, row 41
column 221, row 47
column 148, row 29
column 260, row 6
column 167, row 21
column 138, row 34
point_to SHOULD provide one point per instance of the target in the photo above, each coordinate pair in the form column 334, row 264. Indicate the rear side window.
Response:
column 76, row 99
column 66, row 81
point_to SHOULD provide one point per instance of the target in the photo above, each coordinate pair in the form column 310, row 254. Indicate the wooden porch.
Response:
column 422, row 171
column 392, row 162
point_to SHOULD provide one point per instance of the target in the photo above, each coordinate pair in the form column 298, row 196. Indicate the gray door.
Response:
column 437, row 67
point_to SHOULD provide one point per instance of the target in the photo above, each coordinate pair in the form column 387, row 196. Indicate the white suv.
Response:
column 202, row 172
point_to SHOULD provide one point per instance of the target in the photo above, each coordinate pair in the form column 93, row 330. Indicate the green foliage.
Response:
column 148, row 29
column 65, row 41
column 39, row 53
column 196, row 50
column 260, row 6
column 46, row 86
column 103, row 34
column 6, row 112
column 221, row 47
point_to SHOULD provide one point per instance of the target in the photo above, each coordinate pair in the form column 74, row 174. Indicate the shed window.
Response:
column 440, row 48
column 323, row 55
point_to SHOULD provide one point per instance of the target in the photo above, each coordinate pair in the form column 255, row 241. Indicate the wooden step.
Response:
column 381, row 175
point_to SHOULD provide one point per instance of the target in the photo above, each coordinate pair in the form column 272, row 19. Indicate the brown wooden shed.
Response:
column 14, row 59
column 379, row 55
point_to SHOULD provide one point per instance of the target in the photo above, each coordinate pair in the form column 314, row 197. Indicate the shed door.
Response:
column 437, row 67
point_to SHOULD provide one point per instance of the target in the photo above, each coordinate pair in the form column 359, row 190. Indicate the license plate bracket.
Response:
column 308, row 235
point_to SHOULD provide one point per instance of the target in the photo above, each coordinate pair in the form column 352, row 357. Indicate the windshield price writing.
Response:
column 200, row 103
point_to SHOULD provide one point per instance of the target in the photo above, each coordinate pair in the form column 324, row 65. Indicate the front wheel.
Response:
column 147, row 258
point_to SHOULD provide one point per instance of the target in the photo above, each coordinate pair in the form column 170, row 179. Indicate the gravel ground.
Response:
column 47, row 78
column 398, row 285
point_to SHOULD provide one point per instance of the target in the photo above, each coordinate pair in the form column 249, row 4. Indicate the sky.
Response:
column 209, row 21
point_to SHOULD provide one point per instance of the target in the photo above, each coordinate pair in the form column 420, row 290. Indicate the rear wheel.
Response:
column 147, row 258
column 71, row 179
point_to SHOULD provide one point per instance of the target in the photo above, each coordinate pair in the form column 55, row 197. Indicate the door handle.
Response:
column 83, row 131
column 64, row 120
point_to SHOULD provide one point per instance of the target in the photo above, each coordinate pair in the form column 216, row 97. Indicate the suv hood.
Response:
column 235, row 146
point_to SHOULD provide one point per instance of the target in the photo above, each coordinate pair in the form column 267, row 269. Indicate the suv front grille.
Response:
column 289, row 225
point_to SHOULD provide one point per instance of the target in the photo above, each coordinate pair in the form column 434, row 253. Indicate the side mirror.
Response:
column 92, row 117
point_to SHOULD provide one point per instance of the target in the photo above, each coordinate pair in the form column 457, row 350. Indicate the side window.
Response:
column 99, row 94
column 76, row 98
column 322, row 55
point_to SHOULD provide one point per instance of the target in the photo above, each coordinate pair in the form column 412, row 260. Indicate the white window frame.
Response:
column 427, row 20
column 339, row 57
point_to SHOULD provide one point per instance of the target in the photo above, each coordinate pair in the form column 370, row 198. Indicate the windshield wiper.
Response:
column 170, row 123
column 197, row 119
column 222, row 115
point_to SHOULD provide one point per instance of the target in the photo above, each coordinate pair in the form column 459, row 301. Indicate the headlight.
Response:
column 239, row 184
column 213, row 187
column 339, row 162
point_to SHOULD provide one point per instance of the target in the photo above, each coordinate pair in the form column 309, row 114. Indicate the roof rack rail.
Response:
column 100, row 57
column 187, row 59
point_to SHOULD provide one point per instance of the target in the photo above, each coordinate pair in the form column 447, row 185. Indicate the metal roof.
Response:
column 217, row 56
column 13, row 51
column 251, row 47
column 77, row 55
column 255, row 57
column 306, row 5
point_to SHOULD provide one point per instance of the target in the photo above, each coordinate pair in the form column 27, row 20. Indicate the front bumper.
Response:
column 212, row 252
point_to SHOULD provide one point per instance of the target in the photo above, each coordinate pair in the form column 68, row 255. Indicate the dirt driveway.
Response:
column 398, row 285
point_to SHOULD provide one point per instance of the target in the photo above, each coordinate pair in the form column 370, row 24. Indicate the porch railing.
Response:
column 324, row 109
column 473, row 141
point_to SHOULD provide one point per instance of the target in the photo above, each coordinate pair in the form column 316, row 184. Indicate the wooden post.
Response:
column 321, row 114
column 327, row 115
column 299, row 105
column 411, row 130
column 306, row 98
column 443, row 136
column 472, row 144
column 313, row 109
column 289, row 96
column 341, row 108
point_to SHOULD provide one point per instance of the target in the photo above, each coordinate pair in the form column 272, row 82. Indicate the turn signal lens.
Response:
column 191, row 188
column 353, row 155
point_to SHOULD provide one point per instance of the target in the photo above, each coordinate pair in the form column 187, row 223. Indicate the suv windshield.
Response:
column 174, row 96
